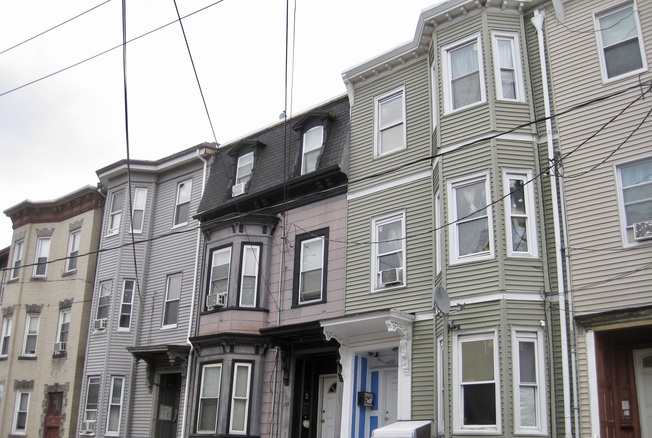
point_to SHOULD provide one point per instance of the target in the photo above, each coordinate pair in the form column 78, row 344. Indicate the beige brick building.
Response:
column 45, row 311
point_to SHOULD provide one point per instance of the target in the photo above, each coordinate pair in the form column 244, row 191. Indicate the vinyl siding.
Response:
column 423, row 371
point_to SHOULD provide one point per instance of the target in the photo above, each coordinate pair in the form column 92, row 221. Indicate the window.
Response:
column 390, row 122
column 92, row 399
column 127, row 304
column 476, row 387
column 240, row 398
column 172, row 295
column 115, row 406
column 620, row 43
column 31, row 334
column 182, row 205
column 388, row 252
column 439, row 244
column 220, row 272
column 441, row 381
column 73, row 251
column 635, row 196
column 529, row 392
column 470, row 214
column 312, row 143
column 20, row 414
column 463, row 75
column 245, row 168
column 17, row 260
column 64, row 326
column 310, row 267
column 115, row 215
column 41, row 259
column 519, row 214
column 6, row 336
column 138, row 213
column 209, row 398
column 104, row 300
column 249, row 279
column 507, row 66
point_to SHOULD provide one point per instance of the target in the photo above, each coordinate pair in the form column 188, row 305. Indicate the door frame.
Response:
column 322, row 393
column 156, row 398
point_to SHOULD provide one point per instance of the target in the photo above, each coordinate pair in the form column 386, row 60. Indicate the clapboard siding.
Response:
column 423, row 370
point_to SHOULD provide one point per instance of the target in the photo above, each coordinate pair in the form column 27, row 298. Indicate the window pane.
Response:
column 471, row 200
column 528, row 406
column 114, row 418
column 623, row 58
column 118, row 199
column 241, row 380
column 526, row 362
column 391, row 111
column 464, row 60
column 174, row 287
column 211, row 381
column 505, row 53
column 182, row 213
column 478, row 361
column 473, row 237
column 313, row 139
column 207, row 414
column 311, row 285
column 638, row 173
column 519, row 234
column 390, row 237
column 479, row 404
column 138, row 220
column 248, row 297
column 239, row 415
column 618, row 26
column 466, row 90
column 389, row 261
column 250, row 260
column 391, row 139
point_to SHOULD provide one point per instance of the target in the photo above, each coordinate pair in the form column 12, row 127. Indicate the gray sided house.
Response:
column 602, row 53
column 450, row 309
column 273, row 266
column 138, row 350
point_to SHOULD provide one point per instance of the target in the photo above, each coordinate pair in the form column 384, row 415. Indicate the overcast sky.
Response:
column 56, row 132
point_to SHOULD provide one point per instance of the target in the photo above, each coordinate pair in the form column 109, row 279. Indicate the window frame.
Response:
column 42, row 252
column 100, row 296
column 379, row 127
column 439, row 244
column 597, row 16
column 63, row 314
column 534, row 335
column 92, row 380
column 458, row 402
column 168, row 279
column 376, row 222
column 28, row 334
column 314, row 150
column 441, row 388
column 176, row 221
column 240, row 165
column 626, row 231
column 5, row 340
column 201, row 397
column 115, row 213
column 123, row 303
column 453, row 186
column 234, row 398
column 243, row 255
column 530, row 212
column 73, row 251
column 139, row 205
column 17, row 259
column 111, row 404
column 300, row 241
column 17, row 411
column 447, row 72
column 229, row 251
column 519, row 87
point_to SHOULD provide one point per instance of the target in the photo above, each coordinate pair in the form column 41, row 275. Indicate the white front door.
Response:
column 643, row 370
column 327, row 405
column 388, row 403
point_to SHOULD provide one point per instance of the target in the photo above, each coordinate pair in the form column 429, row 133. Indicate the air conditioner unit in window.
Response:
column 216, row 300
column 87, row 427
column 391, row 276
column 643, row 230
column 238, row 189
column 100, row 324
column 59, row 347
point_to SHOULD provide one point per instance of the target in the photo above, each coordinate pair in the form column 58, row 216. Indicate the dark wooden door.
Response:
column 53, row 414
column 168, row 405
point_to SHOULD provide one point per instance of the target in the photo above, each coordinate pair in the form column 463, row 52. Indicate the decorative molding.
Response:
column 44, row 232
column 66, row 304
column 285, row 367
column 332, row 335
column 73, row 226
column 173, row 356
column 19, row 235
column 33, row 308
column 23, row 384
column 404, row 344
column 8, row 311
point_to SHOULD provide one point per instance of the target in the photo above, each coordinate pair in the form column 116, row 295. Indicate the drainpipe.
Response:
column 537, row 21
column 186, row 392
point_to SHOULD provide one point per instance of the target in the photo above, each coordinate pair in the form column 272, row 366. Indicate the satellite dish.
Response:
column 441, row 299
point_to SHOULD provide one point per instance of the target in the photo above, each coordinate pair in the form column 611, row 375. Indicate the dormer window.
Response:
column 243, row 173
column 312, row 143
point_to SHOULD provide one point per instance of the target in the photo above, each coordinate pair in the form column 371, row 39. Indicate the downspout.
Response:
column 186, row 392
column 537, row 21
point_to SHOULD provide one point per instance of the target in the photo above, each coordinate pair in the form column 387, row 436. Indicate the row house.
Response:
column 134, row 378
column 45, row 300
column 453, row 310
column 600, row 87
column 273, row 217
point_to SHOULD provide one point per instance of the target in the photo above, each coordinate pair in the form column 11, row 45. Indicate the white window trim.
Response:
column 177, row 203
column 375, row 273
column 378, row 100
column 89, row 380
column 41, row 253
column 441, row 389
column 62, row 316
column 226, row 250
column 112, row 214
column 201, row 397
column 131, row 304
column 99, row 298
column 439, row 244
column 600, row 46
column 30, row 316
column 530, row 211
column 306, row 152
column 139, row 204
column 301, row 270
column 17, row 259
column 621, row 203
column 73, row 247
column 536, row 335
column 6, row 333
column 256, row 255
column 518, row 67
column 457, row 404
column 447, row 73
column 435, row 95
column 240, row 165
column 237, row 365
column 455, row 259
column 19, row 396
column 168, row 300
column 110, row 404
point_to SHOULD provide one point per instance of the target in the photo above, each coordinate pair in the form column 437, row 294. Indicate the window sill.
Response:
column 3, row 358
column 237, row 309
column 26, row 357
column 169, row 327
column 634, row 73
column 183, row 224
column 450, row 112
column 382, row 289
column 59, row 355
column 471, row 259
column 39, row 278
column 69, row 273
